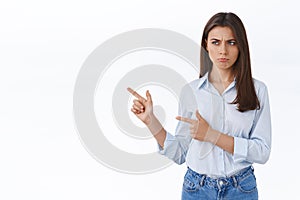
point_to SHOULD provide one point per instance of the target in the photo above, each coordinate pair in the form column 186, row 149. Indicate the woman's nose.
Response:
column 222, row 49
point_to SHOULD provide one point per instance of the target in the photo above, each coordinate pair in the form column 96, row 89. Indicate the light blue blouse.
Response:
column 251, row 130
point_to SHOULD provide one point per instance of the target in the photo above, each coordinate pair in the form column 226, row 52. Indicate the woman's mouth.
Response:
column 223, row 59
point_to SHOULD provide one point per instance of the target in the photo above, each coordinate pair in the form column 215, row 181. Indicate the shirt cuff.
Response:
column 240, row 149
column 168, row 141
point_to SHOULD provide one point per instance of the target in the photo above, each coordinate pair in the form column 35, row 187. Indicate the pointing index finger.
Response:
column 134, row 93
column 184, row 119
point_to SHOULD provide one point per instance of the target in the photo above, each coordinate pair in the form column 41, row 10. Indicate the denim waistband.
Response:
column 222, row 181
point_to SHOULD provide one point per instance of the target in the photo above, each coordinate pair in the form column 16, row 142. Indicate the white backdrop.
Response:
column 43, row 45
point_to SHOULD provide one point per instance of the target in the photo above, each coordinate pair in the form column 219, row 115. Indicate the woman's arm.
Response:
column 157, row 130
column 173, row 147
column 200, row 130
column 143, row 109
column 257, row 147
column 222, row 140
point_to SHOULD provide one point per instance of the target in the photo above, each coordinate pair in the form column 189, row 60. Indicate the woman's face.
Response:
column 222, row 47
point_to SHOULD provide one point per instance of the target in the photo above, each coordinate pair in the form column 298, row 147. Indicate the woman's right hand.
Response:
column 142, row 108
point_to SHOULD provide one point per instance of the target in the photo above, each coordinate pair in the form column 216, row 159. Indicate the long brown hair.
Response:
column 246, row 98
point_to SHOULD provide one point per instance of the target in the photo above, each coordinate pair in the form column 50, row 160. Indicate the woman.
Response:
column 224, row 124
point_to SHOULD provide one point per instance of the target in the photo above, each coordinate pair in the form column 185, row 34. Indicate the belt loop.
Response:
column 202, row 180
column 234, row 181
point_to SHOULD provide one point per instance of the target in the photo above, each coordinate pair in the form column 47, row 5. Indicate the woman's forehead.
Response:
column 221, row 32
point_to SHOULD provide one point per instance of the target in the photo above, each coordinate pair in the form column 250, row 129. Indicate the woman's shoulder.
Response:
column 260, row 86
column 258, row 83
column 198, row 82
column 191, row 84
column 190, row 87
column 194, row 83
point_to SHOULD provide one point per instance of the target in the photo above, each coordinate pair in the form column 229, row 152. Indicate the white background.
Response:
column 42, row 47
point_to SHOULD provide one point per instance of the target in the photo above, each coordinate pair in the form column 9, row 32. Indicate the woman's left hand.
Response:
column 198, row 128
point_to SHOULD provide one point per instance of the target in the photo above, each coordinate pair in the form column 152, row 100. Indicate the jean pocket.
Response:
column 190, row 183
column 247, row 184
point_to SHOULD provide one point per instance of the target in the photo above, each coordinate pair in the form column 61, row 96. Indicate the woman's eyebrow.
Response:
column 215, row 39
column 219, row 39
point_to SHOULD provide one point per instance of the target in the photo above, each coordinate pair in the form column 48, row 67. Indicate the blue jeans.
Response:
column 241, row 186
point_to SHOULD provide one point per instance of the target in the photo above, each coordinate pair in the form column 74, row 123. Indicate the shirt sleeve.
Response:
column 256, row 148
column 176, row 147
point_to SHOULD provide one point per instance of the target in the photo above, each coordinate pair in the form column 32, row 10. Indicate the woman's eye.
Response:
column 215, row 42
column 232, row 43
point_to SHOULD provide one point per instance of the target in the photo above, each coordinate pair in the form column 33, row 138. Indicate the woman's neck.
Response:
column 221, row 76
